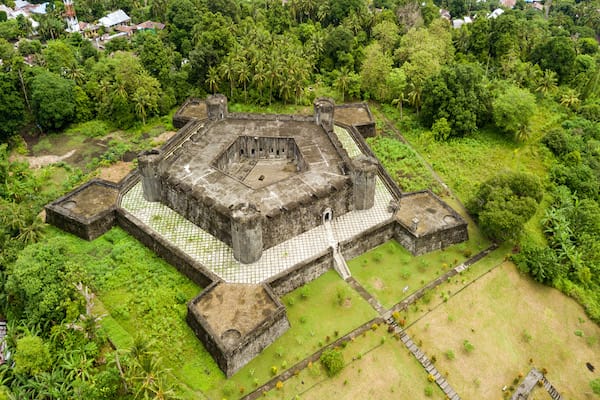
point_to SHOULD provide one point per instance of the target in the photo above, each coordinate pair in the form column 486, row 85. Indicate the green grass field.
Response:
column 377, row 366
column 318, row 313
column 513, row 324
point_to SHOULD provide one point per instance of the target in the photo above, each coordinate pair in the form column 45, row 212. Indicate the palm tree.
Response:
column 570, row 99
column 141, row 99
column 414, row 96
column 342, row 81
column 243, row 74
column 547, row 83
column 31, row 232
column 399, row 102
column 260, row 76
column 212, row 79
column 227, row 71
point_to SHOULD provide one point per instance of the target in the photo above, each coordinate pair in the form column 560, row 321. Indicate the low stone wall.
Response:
column 441, row 239
column 292, row 279
column 184, row 263
column 368, row 240
column 300, row 275
column 181, row 118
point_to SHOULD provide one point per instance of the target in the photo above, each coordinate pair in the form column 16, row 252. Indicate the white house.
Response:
column 115, row 18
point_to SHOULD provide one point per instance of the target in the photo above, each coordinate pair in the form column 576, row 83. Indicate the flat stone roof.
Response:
column 231, row 308
column 190, row 167
column 433, row 214
column 352, row 114
column 92, row 200
column 194, row 109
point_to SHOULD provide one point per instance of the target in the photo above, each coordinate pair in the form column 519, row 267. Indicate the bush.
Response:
column 333, row 361
column 595, row 385
column 450, row 355
column 468, row 346
column 504, row 203
column 428, row 390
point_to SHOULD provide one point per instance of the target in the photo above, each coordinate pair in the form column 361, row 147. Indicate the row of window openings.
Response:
column 252, row 151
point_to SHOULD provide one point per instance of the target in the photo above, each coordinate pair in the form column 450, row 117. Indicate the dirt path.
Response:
column 42, row 161
column 115, row 172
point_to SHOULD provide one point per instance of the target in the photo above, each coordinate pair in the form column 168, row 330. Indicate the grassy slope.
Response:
column 464, row 163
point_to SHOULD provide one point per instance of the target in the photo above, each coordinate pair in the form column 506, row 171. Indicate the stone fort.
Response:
column 253, row 206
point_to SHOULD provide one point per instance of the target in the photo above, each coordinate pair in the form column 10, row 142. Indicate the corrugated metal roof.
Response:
column 114, row 18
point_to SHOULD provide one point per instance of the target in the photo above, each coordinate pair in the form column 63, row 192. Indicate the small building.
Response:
column 114, row 19
column 150, row 26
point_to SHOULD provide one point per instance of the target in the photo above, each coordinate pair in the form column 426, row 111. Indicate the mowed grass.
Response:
column 319, row 313
column 390, row 273
column 377, row 366
column 513, row 324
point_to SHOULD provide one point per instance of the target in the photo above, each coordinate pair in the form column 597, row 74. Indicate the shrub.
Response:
column 450, row 355
column 333, row 361
column 428, row 390
column 595, row 385
column 468, row 346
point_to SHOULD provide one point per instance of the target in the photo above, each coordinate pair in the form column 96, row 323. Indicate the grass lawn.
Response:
column 388, row 269
column 510, row 320
column 376, row 367
column 316, row 312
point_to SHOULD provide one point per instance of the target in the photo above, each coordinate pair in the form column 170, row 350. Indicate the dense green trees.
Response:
column 52, row 99
column 500, row 70
column 460, row 95
column 512, row 110
column 12, row 115
column 505, row 203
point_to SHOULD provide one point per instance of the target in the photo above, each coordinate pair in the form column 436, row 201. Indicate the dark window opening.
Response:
column 252, row 152
column 241, row 152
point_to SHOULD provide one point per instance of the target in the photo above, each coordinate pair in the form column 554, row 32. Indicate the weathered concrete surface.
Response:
column 236, row 322
column 426, row 223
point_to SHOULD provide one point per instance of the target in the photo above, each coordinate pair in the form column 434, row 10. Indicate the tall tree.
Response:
column 12, row 108
column 53, row 100
column 460, row 95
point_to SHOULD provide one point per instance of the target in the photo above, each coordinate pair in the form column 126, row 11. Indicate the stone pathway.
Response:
column 366, row 295
column 424, row 360
column 529, row 383
column 441, row 279
column 412, row 347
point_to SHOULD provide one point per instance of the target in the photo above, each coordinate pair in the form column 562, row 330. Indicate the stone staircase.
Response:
column 550, row 389
column 339, row 263
column 424, row 360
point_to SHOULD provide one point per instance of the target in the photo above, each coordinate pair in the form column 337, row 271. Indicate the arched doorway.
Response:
column 327, row 215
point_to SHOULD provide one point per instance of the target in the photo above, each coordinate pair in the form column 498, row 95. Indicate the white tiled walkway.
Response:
column 218, row 257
